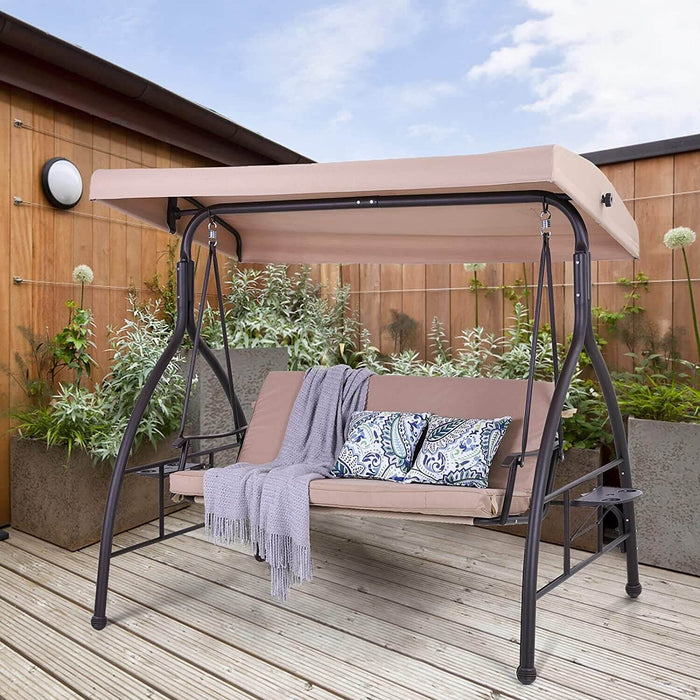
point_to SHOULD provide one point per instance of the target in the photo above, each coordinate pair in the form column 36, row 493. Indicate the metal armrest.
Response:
column 513, row 459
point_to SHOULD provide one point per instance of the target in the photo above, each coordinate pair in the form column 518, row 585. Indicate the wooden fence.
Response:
column 660, row 192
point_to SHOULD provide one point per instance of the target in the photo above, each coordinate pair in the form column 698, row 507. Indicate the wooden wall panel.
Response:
column 370, row 311
column 686, row 212
column 5, row 306
column 654, row 216
column 413, row 303
column 437, row 301
column 611, row 296
column 390, row 300
column 43, row 244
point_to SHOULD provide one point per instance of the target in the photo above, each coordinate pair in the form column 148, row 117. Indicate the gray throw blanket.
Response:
column 268, row 504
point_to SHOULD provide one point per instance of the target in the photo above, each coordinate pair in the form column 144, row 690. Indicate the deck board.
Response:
column 397, row 610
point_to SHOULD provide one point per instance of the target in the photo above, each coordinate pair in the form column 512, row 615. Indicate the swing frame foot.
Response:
column 633, row 589
column 98, row 622
column 526, row 675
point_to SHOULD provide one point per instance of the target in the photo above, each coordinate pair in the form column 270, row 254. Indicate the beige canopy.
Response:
column 427, row 234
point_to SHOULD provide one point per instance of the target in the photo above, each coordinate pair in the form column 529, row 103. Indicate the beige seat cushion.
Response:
column 374, row 495
column 457, row 397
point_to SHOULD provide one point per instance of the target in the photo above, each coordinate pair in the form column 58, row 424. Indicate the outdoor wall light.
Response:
column 62, row 183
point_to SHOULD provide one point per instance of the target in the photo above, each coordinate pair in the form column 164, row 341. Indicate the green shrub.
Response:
column 96, row 420
column 507, row 357
column 270, row 307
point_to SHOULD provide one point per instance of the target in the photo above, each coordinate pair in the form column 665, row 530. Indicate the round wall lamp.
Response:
column 62, row 183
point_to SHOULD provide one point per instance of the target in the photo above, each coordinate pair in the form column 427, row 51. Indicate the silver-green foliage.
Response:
column 135, row 348
column 483, row 355
column 271, row 307
column 95, row 420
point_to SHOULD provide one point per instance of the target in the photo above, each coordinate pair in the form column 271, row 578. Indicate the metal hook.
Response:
column 211, row 228
column 545, row 219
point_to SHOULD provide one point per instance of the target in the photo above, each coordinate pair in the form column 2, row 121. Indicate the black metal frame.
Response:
column 547, row 455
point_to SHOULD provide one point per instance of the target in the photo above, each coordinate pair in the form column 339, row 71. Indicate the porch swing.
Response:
column 421, row 210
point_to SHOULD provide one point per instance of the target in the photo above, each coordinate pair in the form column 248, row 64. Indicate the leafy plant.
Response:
column 659, row 388
column 587, row 425
column 136, row 347
column 271, row 307
column 72, row 344
column 655, row 399
column 507, row 357
column 164, row 287
column 631, row 306
column 96, row 420
column 37, row 375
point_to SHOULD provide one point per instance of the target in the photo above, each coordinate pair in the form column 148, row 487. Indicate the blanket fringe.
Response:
column 290, row 562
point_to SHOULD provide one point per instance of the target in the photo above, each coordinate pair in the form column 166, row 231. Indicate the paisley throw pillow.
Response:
column 458, row 451
column 380, row 445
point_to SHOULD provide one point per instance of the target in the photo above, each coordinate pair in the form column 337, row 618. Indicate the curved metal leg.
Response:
column 99, row 619
column 526, row 672
column 633, row 587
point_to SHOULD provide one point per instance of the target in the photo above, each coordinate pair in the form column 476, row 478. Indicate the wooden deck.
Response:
column 397, row 611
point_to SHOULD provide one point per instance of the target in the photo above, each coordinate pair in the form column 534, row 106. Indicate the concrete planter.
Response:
column 665, row 461
column 209, row 411
column 577, row 462
column 65, row 506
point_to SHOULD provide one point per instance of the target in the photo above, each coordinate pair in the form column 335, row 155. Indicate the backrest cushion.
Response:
column 270, row 416
column 456, row 397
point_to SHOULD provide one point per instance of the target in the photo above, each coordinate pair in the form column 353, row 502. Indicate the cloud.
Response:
column 431, row 132
column 508, row 60
column 626, row 69
column 421, row 95
column 327, row 51
column 342, row 116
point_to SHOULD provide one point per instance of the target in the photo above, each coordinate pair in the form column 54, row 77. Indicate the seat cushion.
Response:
column 371, row 494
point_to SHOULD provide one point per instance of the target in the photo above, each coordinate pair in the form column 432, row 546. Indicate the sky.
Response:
column 362, row 79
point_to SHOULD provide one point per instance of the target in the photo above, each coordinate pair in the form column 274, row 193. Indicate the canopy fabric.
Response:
column 427, row 234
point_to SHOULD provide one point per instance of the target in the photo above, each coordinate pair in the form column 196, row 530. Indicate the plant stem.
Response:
column 476, row 300
column 82, row 293
column 692, row 303
column 526, row 292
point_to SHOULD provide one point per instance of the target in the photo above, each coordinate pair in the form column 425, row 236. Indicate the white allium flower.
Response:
column 82, row 274
column 474, row 267
column 679, row 237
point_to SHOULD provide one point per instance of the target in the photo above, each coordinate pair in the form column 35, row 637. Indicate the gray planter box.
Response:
column 665, row 461
column 577, row 462
column 209, row 410
column 65, row 506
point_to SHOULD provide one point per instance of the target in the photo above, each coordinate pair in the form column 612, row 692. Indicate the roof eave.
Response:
column 101, row 80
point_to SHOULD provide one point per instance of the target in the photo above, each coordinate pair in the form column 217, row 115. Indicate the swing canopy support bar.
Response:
column 412, row 210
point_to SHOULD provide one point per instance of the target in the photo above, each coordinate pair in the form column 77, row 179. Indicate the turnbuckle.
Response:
column 545, row 220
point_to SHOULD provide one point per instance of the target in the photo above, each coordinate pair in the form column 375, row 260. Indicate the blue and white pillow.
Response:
column 458, row 451
column 380, row 445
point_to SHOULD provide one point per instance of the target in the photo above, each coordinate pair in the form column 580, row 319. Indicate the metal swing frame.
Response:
column 601, row 500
